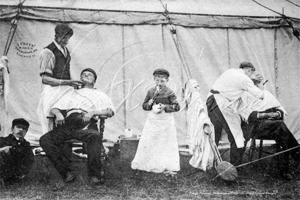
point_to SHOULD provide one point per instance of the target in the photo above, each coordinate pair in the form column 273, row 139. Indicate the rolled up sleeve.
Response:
column 47, row 62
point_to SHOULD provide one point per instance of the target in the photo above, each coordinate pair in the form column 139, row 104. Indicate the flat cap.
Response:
column 90, row 70
column 20, row 121
column 63, row 30
column 247, row 65
column 161, row 72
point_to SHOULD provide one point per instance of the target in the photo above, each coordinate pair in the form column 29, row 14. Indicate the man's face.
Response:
column 63, row 40
column 249, row 71
column 160, row 80
column 88, row 77
column 19, row 131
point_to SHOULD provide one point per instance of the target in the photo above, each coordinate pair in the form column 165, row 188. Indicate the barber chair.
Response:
column 260, row 149
column 249, row 133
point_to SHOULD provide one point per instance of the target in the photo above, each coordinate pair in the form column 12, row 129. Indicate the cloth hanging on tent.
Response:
column 4, row 68
column 5, row 86
column 198, row 140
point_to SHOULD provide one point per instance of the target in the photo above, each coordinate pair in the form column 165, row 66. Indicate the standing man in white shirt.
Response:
column 223, row 103
column 55, row 72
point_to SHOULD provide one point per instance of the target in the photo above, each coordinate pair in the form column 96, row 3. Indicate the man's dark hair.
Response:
column 63, row 30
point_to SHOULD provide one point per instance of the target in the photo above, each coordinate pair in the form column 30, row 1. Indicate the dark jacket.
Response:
column 18, row 161
column 165, row 96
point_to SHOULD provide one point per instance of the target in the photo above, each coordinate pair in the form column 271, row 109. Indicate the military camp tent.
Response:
column 124, row 41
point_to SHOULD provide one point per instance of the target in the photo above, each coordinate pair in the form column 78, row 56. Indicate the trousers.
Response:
column 219, row 122
column 278, row 131
column 53, row 143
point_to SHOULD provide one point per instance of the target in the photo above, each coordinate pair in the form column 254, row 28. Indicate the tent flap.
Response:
column 138, row 18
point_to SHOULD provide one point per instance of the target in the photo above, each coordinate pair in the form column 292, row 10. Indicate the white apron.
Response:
column 158, row 148
column 231, row 115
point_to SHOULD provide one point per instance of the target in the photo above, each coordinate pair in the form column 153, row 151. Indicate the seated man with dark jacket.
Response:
column 16, row 156
column 74, row 115
column 264, row 118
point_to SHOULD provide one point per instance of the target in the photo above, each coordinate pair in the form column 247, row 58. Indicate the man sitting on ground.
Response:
column 16, row 156
column 73, row 112
column 265, row 118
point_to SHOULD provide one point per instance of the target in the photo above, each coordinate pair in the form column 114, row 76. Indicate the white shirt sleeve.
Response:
column 47, row 62
column 252, row 89
column 107, row 103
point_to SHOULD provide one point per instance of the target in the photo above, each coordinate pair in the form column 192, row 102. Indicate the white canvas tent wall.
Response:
column 124, row 41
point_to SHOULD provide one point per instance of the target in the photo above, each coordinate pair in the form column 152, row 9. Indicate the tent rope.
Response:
column 293, row 3
column 12, row 31
column 248, row 163
column 176, row 41
column 296, row 32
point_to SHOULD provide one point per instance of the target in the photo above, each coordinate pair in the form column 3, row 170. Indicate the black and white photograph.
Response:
column 149, row 99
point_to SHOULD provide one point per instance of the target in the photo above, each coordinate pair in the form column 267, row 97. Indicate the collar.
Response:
column 13, row 137
column 63, row 50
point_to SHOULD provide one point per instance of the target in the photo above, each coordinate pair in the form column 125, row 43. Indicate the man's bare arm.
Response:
column 48, row 80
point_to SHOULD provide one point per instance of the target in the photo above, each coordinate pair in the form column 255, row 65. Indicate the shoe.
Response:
column 95, row 181
column 70, row 177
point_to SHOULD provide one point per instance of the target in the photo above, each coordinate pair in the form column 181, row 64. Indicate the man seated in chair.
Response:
column 74, row 116
column 264, row 119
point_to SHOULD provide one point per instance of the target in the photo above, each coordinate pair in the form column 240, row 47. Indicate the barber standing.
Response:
column 223, row 103
column 55, row 72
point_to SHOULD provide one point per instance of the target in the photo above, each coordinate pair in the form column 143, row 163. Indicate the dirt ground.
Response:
column 258, row 180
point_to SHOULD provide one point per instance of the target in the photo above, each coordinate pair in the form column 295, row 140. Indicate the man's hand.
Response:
column 59, row 119
column 150, row 102
column 87, row 117
column 162, row 107
column 274, row 115
column 75, row 83
column 5, row 149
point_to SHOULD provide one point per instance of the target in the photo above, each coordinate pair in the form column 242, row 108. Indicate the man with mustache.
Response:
column 74, row 114
column 16, row 156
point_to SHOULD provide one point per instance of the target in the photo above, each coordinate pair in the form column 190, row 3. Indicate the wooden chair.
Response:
column 253, row 148
column 251, row 134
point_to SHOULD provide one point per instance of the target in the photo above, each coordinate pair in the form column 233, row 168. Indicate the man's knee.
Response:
column 94, row 136
column 45, row 139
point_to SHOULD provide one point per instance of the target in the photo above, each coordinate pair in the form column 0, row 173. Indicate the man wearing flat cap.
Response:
column 54, row 65
column 74, row 118
column 223, row 102
column 16, row 157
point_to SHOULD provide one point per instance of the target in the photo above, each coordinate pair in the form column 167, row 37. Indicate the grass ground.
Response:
column 255, row 181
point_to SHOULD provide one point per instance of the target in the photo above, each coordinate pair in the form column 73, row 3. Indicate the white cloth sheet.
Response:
column 198, row 140
column 250, row 104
